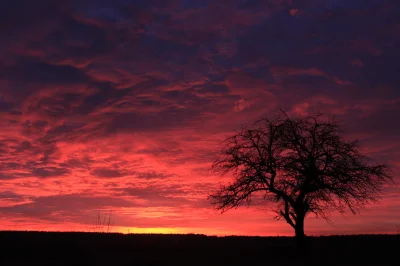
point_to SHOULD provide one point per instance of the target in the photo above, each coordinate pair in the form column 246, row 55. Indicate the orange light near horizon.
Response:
column 168, row 230
column 150, row 230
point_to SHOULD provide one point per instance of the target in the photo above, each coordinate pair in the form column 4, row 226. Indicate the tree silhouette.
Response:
column 301, row 166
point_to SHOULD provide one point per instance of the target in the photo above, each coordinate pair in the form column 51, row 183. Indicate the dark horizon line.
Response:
column 195, row 234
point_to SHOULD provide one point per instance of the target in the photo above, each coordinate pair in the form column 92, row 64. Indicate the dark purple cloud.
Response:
column 107, row 173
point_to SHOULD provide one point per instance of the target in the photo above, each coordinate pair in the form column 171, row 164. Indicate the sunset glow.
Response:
column 122, row 106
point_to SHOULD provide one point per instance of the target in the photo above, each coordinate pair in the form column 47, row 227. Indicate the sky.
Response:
column 122, row 105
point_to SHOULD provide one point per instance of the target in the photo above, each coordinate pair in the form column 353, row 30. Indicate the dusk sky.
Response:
column 122, row 105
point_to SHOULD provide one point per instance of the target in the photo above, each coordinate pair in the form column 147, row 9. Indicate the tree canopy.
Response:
column 301, row 166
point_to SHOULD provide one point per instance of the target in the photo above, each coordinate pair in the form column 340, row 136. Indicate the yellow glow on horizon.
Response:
column 175, row 230
column 150, row 230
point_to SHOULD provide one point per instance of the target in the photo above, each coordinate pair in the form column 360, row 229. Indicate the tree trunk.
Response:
column 299, row 229
column 301, row 238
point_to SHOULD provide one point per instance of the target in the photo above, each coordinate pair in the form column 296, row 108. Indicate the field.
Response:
column 50, row 248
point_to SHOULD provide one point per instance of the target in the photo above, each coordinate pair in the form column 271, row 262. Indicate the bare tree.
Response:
column 301, row 166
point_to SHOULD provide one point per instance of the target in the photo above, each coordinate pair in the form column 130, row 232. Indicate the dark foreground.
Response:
column 45, row 248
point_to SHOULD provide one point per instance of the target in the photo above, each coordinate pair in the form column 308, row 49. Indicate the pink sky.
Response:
column 110, row 105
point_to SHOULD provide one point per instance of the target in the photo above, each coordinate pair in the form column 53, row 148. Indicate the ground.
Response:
column 49, row 248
